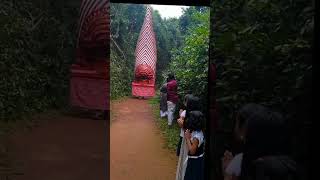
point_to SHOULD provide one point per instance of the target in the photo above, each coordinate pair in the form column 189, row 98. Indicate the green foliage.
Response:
column 175, row 50
column 168, row 37
column 36, row 48
column 190, row 62
column 170, row 134
column 262, row 51
column 120, row 83
column 126, row 23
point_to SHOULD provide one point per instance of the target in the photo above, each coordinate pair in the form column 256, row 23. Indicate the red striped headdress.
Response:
column 94, row 31
column 146, row 50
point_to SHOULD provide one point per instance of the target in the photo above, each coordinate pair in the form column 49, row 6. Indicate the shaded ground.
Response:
column 137, row 148
column 61, row 148
column 69, row 147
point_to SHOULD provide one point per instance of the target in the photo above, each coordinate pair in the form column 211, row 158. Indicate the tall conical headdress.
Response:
column 146, row 50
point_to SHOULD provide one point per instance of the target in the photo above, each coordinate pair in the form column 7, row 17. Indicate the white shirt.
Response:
column 197, row 135
column 234, row 168
column 183, row 114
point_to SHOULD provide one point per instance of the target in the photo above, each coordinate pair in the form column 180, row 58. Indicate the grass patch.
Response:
column 171, row 135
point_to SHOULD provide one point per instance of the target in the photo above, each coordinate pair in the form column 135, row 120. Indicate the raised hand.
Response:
column 187, row 134
column 180, row 122
column 181, row 110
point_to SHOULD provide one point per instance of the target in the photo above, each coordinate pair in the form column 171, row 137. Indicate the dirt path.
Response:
column 66, row 147
column 61, row 148
column 137, row 149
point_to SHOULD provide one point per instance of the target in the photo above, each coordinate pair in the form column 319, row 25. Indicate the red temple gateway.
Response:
column 146, row 59
column 89, row 84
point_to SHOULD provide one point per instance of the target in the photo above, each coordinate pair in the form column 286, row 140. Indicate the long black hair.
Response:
column 193, row 104
column 195, row 121
column 265, row 135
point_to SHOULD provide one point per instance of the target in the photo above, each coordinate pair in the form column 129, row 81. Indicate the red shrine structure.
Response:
column 89, row 84
column 146, row 59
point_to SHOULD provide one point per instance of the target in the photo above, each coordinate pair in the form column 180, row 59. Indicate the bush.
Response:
column 36, row 50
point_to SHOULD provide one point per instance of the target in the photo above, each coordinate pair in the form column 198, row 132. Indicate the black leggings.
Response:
column 179, row 146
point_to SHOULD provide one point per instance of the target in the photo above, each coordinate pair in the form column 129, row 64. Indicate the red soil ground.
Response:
column 65, row 147
column 137, row 148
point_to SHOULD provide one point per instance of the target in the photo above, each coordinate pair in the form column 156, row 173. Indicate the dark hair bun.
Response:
column 171, row 76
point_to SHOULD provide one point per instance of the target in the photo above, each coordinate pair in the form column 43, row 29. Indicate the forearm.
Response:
column 180, row 122
column 191, row 147
column 189, row 144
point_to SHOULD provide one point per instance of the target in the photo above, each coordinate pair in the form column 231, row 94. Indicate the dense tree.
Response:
column 174, row 36
column 126, row 23
column 263, row 52
column 185, row 21
column 37, row 41
column 37, row 47
column 190, row 61
column 168, row 38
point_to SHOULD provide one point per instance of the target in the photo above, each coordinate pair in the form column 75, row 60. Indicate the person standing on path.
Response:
column 163, row 101
column 172, row 97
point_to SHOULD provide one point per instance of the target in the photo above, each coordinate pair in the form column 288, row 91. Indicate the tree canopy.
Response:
column 125, row 32
column 263, row 54
column 37, row 46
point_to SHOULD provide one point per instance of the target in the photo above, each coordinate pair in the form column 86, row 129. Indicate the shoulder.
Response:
column 238, row 157
column 234, row 168
column 169, row 83
column 198, row 135
column 183, row 114
column 175, row 82
column 172, row 82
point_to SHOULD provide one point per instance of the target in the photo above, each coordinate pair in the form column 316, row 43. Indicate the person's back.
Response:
column 172, row 97
column 172, row 94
